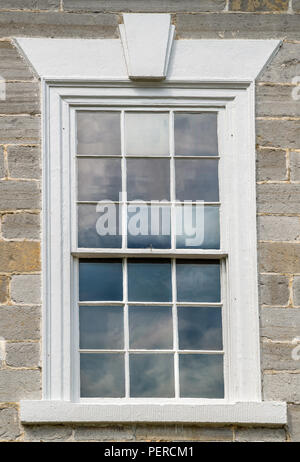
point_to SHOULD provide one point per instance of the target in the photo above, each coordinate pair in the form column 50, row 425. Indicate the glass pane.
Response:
column 98, row 133
column 201, row 376
column 100, row 280
column 197, row 179
column 102, row 375
column 148, row 179
column 149, row 226
column 151, row 375
column 150, row 327
column 94, row 221
column 149, row 280
column 198, row 281
column 200, row 328
column 101, row 327
column 197, row 227
column 196, row 134
column 146, row 134
column 99, row 179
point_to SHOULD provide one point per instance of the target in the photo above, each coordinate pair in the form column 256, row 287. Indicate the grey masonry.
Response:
column 278, row 203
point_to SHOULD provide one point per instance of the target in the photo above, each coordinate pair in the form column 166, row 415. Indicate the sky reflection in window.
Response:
column 152, row 375
column 198, row 281
column 98, row 133
column 100, row 280
column 201, row 376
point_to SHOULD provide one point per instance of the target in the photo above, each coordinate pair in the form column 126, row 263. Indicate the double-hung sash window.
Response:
column 149, row 248
column 150, row 302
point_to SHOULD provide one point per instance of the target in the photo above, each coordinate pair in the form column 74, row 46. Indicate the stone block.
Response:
column 282, row 386
column 276, row 101
column 2, row 167
column 295, row 164
column 238, row 25
column 21, row 98
column 21, row 226
column 26, row 288
column 19, row 256
column 277, row 257
column 280, row 323
column 277, row 228
column 23, row 129
column 271, row 164
column 296, row 6
column 260, row 435
column 294, row 422
column 47, row 433
column 24, row 161
column 30, row 4
column 284, row 66
column 258, row 5
column 9, row 426
column 4, row 289
column 23, row 354
column 296, row 291
column 19, row 384
column 144, row 6
column 183, row 433
column 278, row 198
column 278, row 356
column 58, row 24
column 19, row 194
column 12, row 64
column 105, row 433
column 273, row 289
column 20, row 322
column 278, row 133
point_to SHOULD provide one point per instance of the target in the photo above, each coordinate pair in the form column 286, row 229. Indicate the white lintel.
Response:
column 96, row 59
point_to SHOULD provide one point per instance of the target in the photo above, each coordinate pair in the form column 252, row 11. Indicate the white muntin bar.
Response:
column 140, row 351
column 175, row 330
column 154, row 304
column 137, row 202
column 110, row 156
column 172, row 180
column 124, row 186
column 126, row 329
column 199, row 254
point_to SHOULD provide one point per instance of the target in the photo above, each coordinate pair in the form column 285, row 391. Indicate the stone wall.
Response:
column 278, row 202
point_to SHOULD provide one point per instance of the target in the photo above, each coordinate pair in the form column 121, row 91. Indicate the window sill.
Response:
column 265, row 412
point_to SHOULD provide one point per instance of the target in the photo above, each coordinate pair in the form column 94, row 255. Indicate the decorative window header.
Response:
column 147, row 51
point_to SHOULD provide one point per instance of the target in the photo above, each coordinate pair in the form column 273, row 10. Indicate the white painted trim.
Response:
column 206, row 60
column 147, row 41
column 264, row 413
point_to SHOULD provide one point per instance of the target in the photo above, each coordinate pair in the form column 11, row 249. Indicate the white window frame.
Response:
column 235, row 99
column 237, row 191
column 238, row 229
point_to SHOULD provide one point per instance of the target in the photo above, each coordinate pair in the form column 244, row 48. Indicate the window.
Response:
column 139, row 303
column 149, row 327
